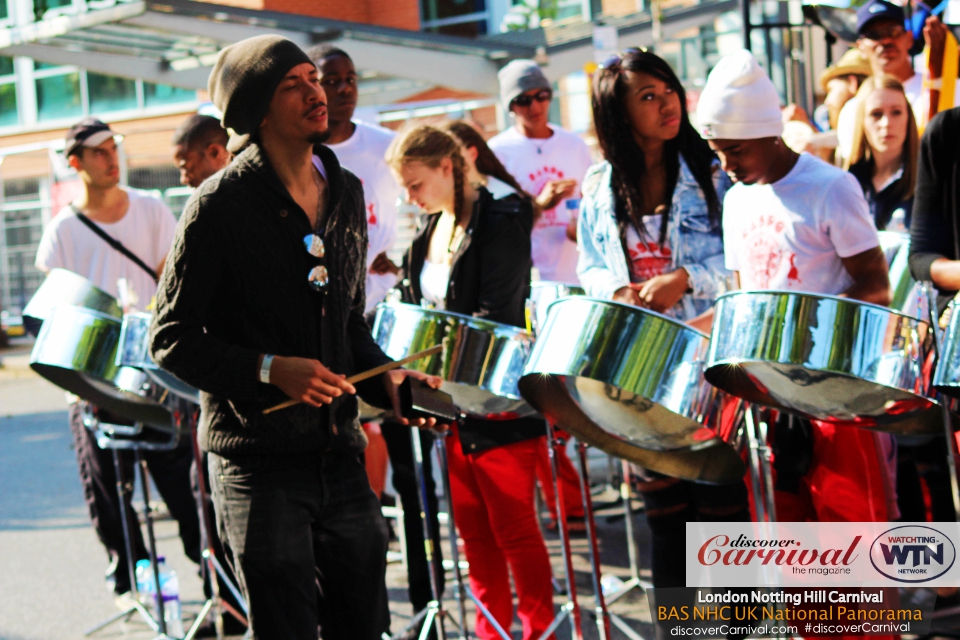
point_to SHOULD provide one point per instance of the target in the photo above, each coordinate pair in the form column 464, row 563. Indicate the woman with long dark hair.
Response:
column 650, row 236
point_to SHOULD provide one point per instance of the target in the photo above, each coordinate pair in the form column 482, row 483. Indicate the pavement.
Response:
column 52, row 565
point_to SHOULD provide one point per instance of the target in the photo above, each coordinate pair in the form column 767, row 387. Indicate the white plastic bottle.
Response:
column 172, row 614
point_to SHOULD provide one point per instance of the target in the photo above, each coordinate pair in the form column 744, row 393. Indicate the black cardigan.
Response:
column 235, row 286
column 935, row 228
column 489, row 278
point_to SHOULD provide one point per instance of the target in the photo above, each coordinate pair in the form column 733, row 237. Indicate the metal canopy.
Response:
column 175, row 42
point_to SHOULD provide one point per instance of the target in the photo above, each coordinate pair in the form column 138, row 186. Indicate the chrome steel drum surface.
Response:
column 134, row 351
column 907, row 297
column 946, row 379
column 77, row 350
column 543, row 293
column 630, row 381
column 481, row 361
column 66, row 288
column 824, row 358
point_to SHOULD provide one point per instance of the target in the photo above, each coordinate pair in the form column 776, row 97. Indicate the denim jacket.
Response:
column 696, row 243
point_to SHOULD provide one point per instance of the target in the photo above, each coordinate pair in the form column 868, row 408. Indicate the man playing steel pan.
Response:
column 795, row 223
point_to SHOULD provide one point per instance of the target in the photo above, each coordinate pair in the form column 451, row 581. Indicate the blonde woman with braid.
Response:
column 472, row 256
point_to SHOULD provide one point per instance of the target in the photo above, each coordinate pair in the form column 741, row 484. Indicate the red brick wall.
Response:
column 401, row 14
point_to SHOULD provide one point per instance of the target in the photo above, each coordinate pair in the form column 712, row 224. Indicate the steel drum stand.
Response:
column 761, row 476
column 158, row 624
column 603, row 616
column 210, row 565
column 571, row 609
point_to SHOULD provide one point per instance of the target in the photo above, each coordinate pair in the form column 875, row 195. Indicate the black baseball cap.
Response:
column 876, row 10
column 88, row 133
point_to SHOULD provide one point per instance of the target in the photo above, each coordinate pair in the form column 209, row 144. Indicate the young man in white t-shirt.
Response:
column 145, row 226
column 548, row 162
column 794, row 222
column 360, row 148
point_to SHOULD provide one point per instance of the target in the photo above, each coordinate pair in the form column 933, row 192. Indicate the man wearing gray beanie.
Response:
column 262, row 302
column 795, row 223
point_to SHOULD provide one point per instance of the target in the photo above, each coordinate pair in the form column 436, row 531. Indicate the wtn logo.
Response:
column 900, row 553
column 912, row 553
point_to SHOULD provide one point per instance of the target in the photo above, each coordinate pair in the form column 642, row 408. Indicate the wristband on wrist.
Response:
column 265, row 369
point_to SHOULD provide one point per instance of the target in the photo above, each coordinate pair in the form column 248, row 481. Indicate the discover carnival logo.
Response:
column 912, row 554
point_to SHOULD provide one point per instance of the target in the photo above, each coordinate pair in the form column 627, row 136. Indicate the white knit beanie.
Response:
column 739, row 101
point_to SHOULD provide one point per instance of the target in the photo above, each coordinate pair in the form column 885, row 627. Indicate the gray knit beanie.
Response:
column 246, row 76
column 520, row 76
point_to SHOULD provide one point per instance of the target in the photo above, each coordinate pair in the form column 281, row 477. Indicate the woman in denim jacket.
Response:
column 650, row 235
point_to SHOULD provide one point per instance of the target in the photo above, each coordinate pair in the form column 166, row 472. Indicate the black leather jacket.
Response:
column 489, row 278
column 235, row 286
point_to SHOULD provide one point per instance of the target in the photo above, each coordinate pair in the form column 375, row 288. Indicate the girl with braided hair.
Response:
column 472, row 256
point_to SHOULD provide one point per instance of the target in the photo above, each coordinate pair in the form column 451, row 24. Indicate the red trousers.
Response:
column 848, row 480
column 568, row 478
column 493, row 503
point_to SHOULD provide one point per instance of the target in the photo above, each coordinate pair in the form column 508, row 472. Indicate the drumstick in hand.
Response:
column 360, row 377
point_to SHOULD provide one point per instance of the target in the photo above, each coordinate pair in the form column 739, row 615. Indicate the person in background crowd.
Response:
column 795, row 223
column 886, row 43
column 485, row 169
column 361, row 147
column 884, row 154
column 548, row 162
column 935, row 256
column 72, row 240
column 841, row 81
column 199, row 149
column 472, row 256
column 264, row 303
column 649, row 236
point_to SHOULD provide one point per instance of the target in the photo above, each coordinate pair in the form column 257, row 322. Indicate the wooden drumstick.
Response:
column 360, row 377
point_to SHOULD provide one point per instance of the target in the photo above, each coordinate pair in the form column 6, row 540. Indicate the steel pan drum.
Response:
column 77, row 350
column 824, row 358
column 630, row 382
column 134, row 351
column 481, row 361
column 907, row 298
column 66, row 288
column 543, row 293
column 946, row 378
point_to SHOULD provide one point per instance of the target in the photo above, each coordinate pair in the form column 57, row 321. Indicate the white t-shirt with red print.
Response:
column 648, row 258
column 362, row 154
column 791, row 235
column 534, row 162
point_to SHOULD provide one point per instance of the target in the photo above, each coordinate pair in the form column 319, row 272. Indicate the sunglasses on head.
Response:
column 318, row 278
column 615, row 60
column 525, row 100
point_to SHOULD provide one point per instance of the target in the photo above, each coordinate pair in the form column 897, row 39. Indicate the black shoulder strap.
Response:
column 113, row 242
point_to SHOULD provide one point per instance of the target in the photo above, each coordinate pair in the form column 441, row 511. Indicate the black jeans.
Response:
column 170, row 471
column 293, row 523
column 400, row 449
column 671, row 503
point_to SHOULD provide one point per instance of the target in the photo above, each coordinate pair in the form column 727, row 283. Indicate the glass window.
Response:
column 59, row 97
column 40, row 7
column 6, row 62
column 8, row 105
column 110, row 93
column 450, row 10
column 160, row 94
column 4, row 14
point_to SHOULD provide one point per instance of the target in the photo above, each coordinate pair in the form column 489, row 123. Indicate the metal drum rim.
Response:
column 472, row 321
column 821, row 296
column 642, row 310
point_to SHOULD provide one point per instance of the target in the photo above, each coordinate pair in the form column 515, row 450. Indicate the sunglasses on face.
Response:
column 615, row 60
column 318, row 278
column 882, row 33
column 525, row 100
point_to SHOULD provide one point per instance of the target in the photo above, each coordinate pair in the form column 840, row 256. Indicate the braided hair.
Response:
column 429, row 145
column 616, row 140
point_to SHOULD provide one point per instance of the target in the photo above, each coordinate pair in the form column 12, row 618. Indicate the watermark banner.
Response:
column 790, row 612
column 822, row 554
